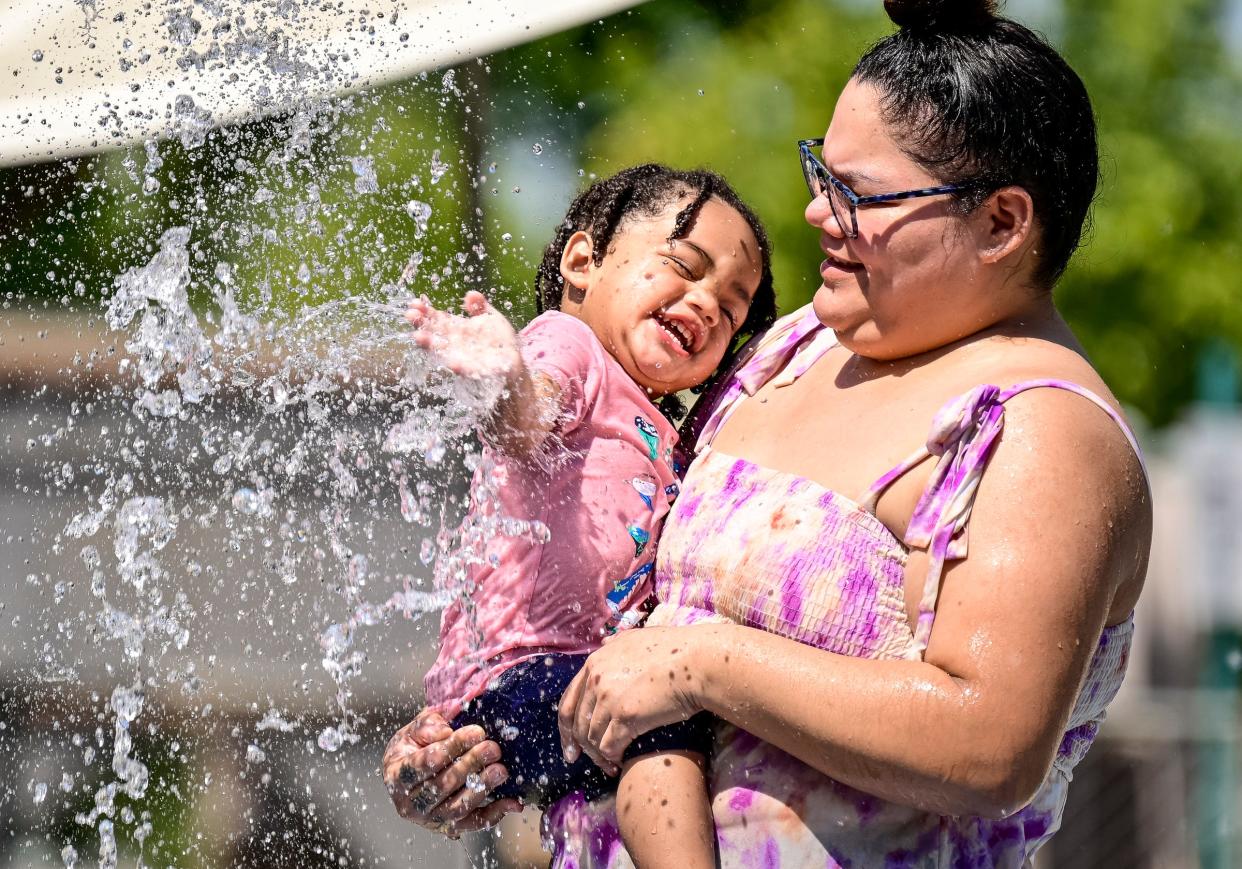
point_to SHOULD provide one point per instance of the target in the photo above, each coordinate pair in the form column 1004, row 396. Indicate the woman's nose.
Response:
column 819, row 214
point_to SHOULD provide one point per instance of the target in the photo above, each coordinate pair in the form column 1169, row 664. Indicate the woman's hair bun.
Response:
column 944, row 15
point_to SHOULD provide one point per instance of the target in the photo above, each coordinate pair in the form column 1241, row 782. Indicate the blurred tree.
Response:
column 730, row 85
column 734, row 86
column 1161, row 276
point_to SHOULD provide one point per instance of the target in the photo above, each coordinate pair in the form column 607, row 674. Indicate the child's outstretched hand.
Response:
column 481, row 344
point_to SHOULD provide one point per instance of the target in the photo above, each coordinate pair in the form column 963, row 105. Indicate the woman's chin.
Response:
column 837, row 311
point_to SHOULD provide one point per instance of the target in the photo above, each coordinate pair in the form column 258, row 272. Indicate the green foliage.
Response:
column 728, row 85
column 1160, row 277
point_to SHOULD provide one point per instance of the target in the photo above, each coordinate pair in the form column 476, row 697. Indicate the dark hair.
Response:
column 974, row 97
column 646, row 190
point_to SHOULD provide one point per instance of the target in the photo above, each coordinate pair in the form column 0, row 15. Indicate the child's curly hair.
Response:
column 646, row 190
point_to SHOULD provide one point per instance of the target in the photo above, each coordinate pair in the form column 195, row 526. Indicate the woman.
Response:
column 909, row 647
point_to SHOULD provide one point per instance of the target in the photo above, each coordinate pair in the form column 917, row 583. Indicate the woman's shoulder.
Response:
column 1059, row 416
column 1064, row 432
column 1040, row 376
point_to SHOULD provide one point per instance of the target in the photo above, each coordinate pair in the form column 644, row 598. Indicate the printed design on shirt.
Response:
column 646, row 487
column 650, row 435
column 621, row 591
column 641, row 537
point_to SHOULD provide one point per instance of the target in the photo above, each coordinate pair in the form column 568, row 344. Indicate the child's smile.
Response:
column 667, row 310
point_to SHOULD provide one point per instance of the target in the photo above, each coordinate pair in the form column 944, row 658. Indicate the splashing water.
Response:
column 268, row 473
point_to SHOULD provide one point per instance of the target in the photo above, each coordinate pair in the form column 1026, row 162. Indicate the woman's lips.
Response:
column 831, row 262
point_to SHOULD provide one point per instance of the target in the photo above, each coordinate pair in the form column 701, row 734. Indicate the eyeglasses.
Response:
column 844, row 201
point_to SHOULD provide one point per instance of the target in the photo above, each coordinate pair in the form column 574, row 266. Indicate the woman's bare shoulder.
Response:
column 1067, row 441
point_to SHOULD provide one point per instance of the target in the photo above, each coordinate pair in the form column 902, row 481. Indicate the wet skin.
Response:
column 927, row 304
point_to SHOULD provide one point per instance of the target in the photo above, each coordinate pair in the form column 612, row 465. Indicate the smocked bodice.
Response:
column 779, row 552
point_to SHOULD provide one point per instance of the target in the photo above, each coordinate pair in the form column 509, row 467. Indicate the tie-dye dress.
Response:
column 772, row 550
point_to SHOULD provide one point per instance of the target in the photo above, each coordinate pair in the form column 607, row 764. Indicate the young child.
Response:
column 653, row 275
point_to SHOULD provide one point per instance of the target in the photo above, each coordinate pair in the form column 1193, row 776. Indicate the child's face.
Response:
column 666, row 312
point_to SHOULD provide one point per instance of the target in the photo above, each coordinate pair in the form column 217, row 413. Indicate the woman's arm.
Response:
column 1060, row 527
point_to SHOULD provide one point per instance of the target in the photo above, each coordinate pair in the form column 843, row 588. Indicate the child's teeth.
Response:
column 677, row 330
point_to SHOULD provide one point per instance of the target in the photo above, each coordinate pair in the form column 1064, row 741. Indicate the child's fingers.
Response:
column 417, row 307
column 582, row 718
column 605, row 763
column 474, row 303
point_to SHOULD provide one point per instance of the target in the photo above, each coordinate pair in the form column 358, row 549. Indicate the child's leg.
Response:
column 663, row 812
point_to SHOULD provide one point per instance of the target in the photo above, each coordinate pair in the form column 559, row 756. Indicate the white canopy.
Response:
column 80, row 75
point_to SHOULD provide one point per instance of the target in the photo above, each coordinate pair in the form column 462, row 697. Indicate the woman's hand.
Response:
column 640, row 679
column 426, row 768
column 480, row 345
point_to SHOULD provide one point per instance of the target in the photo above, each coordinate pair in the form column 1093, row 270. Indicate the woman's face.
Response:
column 914, row 278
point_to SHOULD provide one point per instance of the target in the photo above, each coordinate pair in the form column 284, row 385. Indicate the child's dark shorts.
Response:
column 520, row 713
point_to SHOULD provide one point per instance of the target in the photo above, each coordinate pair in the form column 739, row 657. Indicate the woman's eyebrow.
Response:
column 853, row 176
column 849, row 176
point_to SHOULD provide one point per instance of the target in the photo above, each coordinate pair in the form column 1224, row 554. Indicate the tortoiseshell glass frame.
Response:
column 813, row 170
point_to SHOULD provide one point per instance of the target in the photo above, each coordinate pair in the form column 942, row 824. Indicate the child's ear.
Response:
column 576, row 261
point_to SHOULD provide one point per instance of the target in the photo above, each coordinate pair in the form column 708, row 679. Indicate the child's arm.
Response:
column 484, row 344
column 663, row 813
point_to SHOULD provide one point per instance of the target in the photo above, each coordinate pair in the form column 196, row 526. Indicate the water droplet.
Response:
column 254, row 754
column 506, row 237
column 420, row 213
column 581, row 104
column 438, row 167
column 330, row 739
column 40, row 793
column 700, row 92
column 536, row 149
column 37, row 57
column 246, row 500
column 150, row 185
column 364, row 175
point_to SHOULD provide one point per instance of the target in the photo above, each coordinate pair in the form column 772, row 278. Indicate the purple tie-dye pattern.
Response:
column 791, row 601
column 741, row 800
column 752, row 545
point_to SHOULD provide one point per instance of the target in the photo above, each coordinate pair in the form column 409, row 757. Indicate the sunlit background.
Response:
column 315, row 222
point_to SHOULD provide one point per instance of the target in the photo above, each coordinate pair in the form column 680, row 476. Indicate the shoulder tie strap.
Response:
column 786, row 352
column 962, row 437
